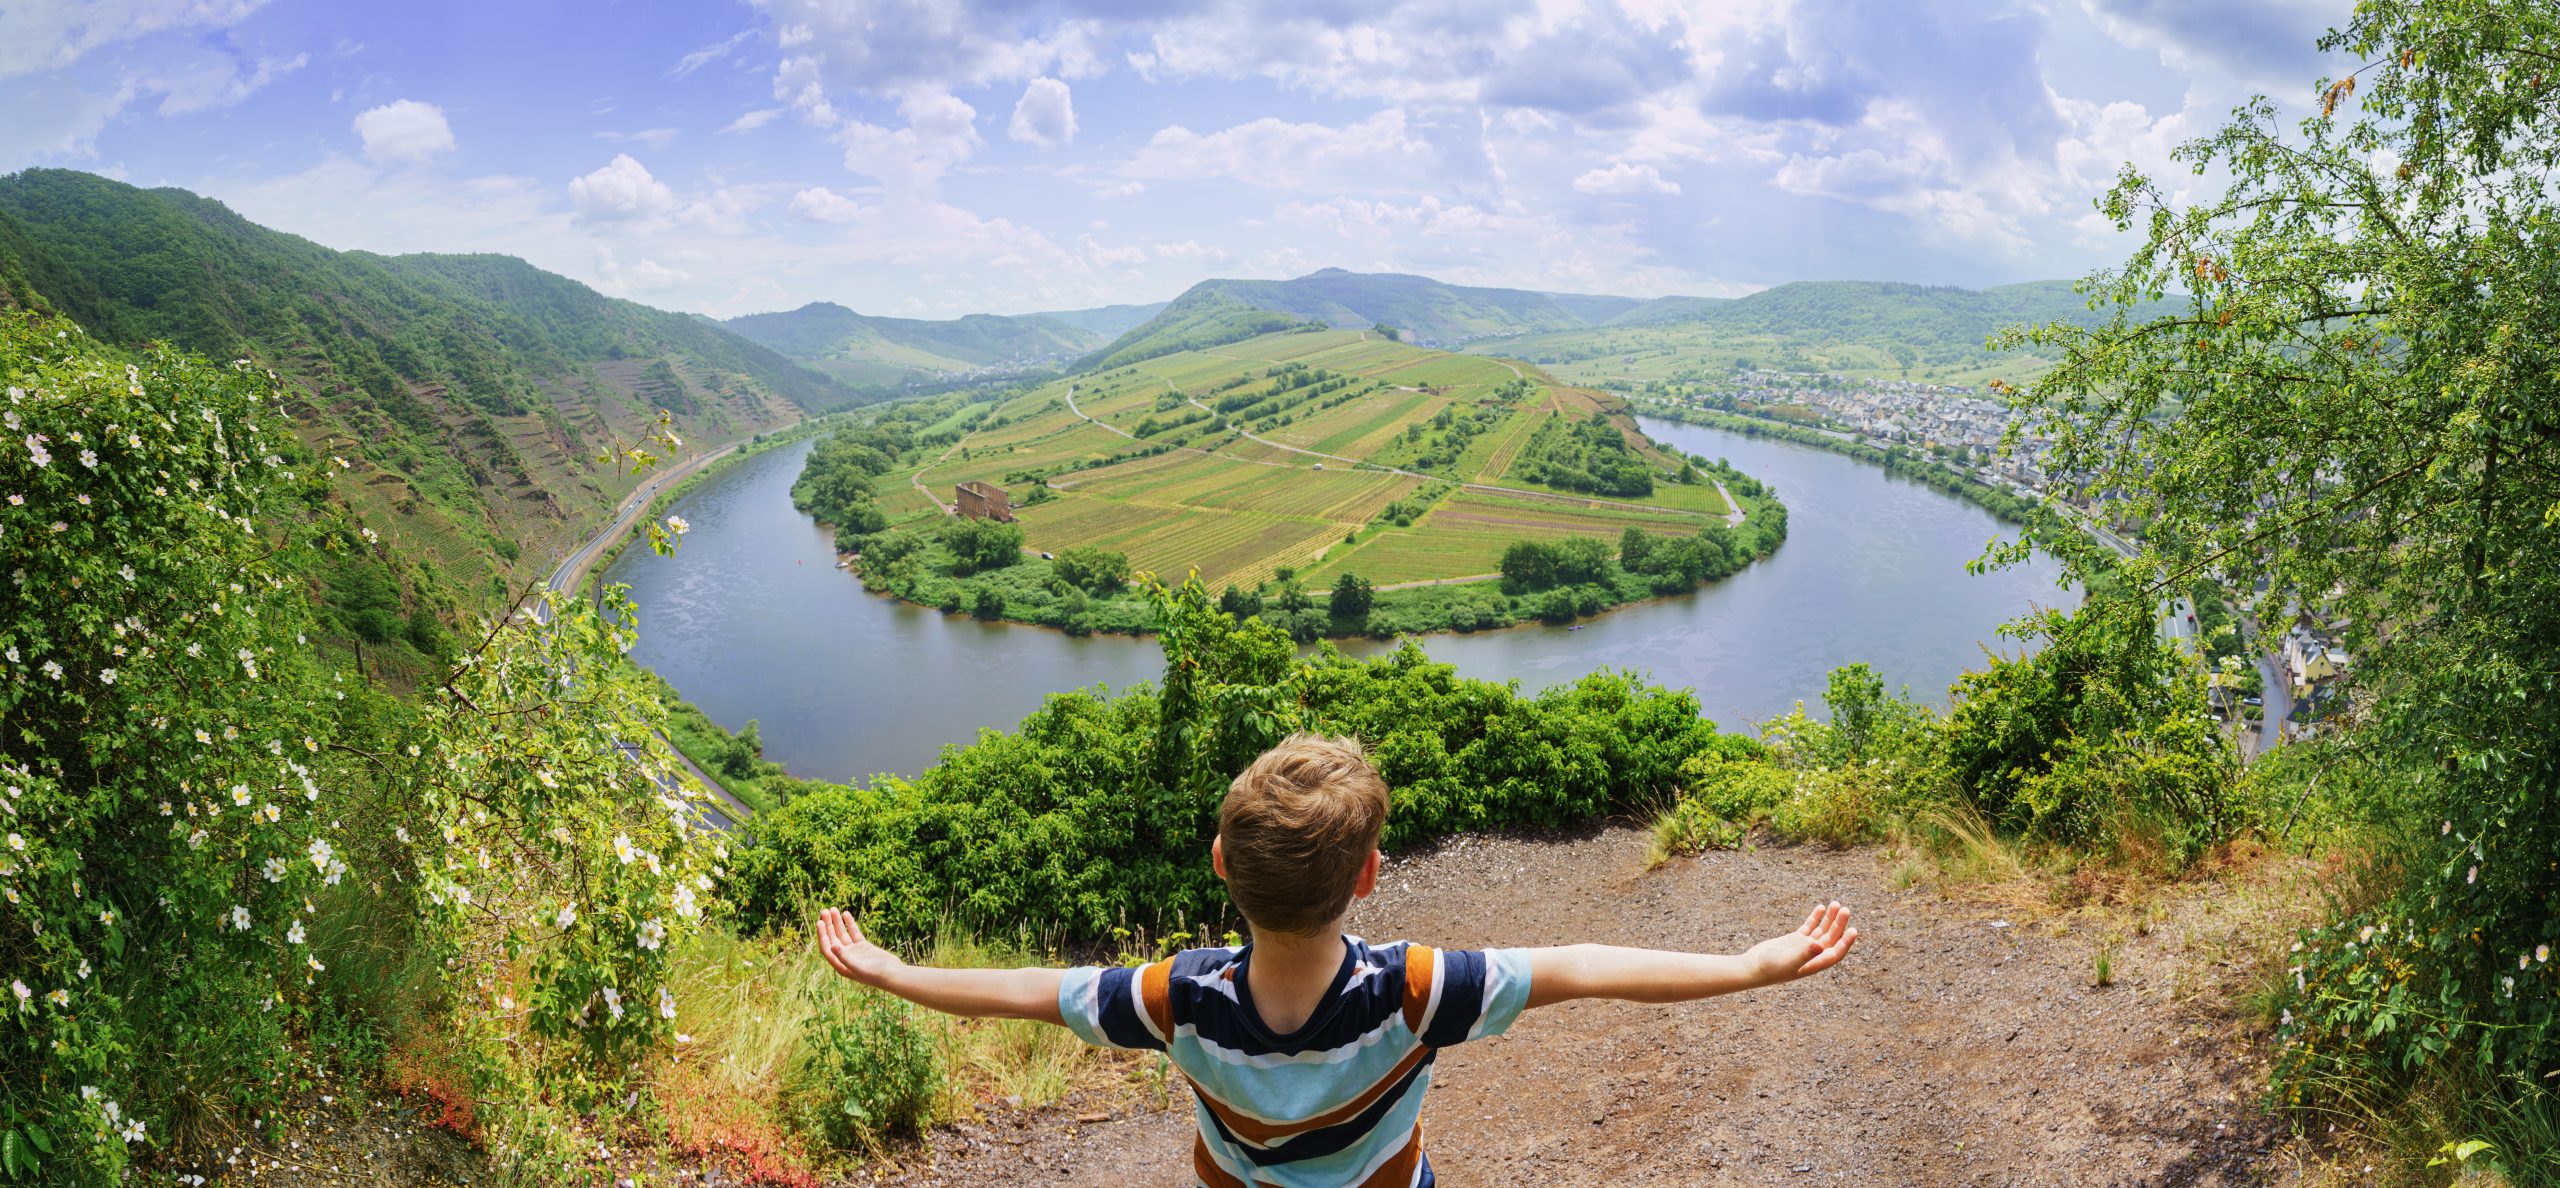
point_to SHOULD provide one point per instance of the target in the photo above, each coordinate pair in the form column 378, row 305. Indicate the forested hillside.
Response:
column 476, row 399
column 1848, row 325
column 1873, row 327
column 1418, row 308
column 874, row 351
column 1204, row 316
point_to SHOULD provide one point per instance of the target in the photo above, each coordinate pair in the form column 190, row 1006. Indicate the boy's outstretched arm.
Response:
column 1655, row 975
column 1001, row 993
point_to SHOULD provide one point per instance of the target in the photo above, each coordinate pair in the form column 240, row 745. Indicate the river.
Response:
column 750, row 619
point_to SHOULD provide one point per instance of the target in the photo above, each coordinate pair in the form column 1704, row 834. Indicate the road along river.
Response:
column 750, row 618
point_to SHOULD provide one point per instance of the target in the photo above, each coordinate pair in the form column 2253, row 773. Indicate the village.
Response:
column 2301, row 663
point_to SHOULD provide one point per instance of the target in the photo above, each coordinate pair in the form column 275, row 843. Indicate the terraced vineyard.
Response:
column 1289, row 451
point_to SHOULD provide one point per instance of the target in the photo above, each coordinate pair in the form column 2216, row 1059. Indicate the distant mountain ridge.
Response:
column 1897, row 320
column 865, row 349
column 1421, row 309
column 473, row 393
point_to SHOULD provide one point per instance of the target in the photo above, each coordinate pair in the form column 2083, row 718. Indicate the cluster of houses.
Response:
column 2314, row 664
column 1901, row 412
column 1907, row 413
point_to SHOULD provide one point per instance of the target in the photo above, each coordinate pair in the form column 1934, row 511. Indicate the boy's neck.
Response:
column 1289, row 974
column 1290, row 948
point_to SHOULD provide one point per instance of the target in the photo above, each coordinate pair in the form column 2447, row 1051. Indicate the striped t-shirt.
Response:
column 1336, row 1102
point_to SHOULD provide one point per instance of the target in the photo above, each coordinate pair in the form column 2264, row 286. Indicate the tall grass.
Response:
column 774, row 1045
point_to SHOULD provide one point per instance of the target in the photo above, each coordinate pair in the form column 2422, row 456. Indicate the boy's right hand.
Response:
column 848, row 952
column 1819, row 945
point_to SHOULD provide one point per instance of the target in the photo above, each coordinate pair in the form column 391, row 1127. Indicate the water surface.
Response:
column 750, row 619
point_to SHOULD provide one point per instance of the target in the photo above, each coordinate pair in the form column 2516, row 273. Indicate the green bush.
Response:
column 1690, row 827
column 865, row 1074
column 1098, row 813
column 1741, row 789
column 2100, row 729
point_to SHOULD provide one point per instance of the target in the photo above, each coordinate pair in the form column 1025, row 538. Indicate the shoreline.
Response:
column 2003, row 505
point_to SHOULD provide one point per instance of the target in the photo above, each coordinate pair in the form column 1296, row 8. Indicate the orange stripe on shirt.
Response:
column 1155, row 993
column 1262, row 1134
column 1421, row 965
column 1398, row 1172
column 1206, row 1168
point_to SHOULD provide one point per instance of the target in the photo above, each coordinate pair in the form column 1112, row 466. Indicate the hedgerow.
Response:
column 1097, row 813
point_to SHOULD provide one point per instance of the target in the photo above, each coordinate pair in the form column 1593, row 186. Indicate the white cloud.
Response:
column 892, row 47
column 642, row 276
column 350, row 205
column 50, row 34
column 1373, row 154
column 708, row 54
column 941, row 132
column 656, row 138
column 49, row 122
column 751, row 121
column 1045, row 115
column 1356, row 218
column 799, row 84
column 1111, row 257
column 222, row 83
column 404, row 131
column 820, row 204
column 1625, row 178
column 2271, row 46
column 621, row 191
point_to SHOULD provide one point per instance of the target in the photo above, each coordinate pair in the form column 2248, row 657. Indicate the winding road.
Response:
column 572, row 570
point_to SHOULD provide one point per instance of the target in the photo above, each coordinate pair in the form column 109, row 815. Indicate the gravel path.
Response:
column 1948, row 1049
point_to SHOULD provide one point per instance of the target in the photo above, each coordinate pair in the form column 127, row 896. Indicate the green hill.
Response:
column 1108, row 321
column 473, row 395
column 1422, row 310
column 878, row 351
column 1874, row 328
column 1204, row 316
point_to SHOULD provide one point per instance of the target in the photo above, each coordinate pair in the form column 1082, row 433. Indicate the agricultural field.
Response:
column 1299, row 447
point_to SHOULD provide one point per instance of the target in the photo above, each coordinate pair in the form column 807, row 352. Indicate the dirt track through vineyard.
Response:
column 1953, row 1047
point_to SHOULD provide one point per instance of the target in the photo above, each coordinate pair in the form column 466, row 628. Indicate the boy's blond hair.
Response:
column 1296, row 828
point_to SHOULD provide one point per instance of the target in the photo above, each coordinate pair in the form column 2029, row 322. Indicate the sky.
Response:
column 930, row 158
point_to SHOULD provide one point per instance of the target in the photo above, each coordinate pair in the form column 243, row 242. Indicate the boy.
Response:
column 1308, row 1049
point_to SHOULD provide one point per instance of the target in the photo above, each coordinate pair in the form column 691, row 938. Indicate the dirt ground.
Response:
column 1954, row 1046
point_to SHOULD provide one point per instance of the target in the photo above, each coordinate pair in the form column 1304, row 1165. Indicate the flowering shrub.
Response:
column 187, row 789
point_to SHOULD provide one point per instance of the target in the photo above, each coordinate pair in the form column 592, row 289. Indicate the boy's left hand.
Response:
column 848, row 952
